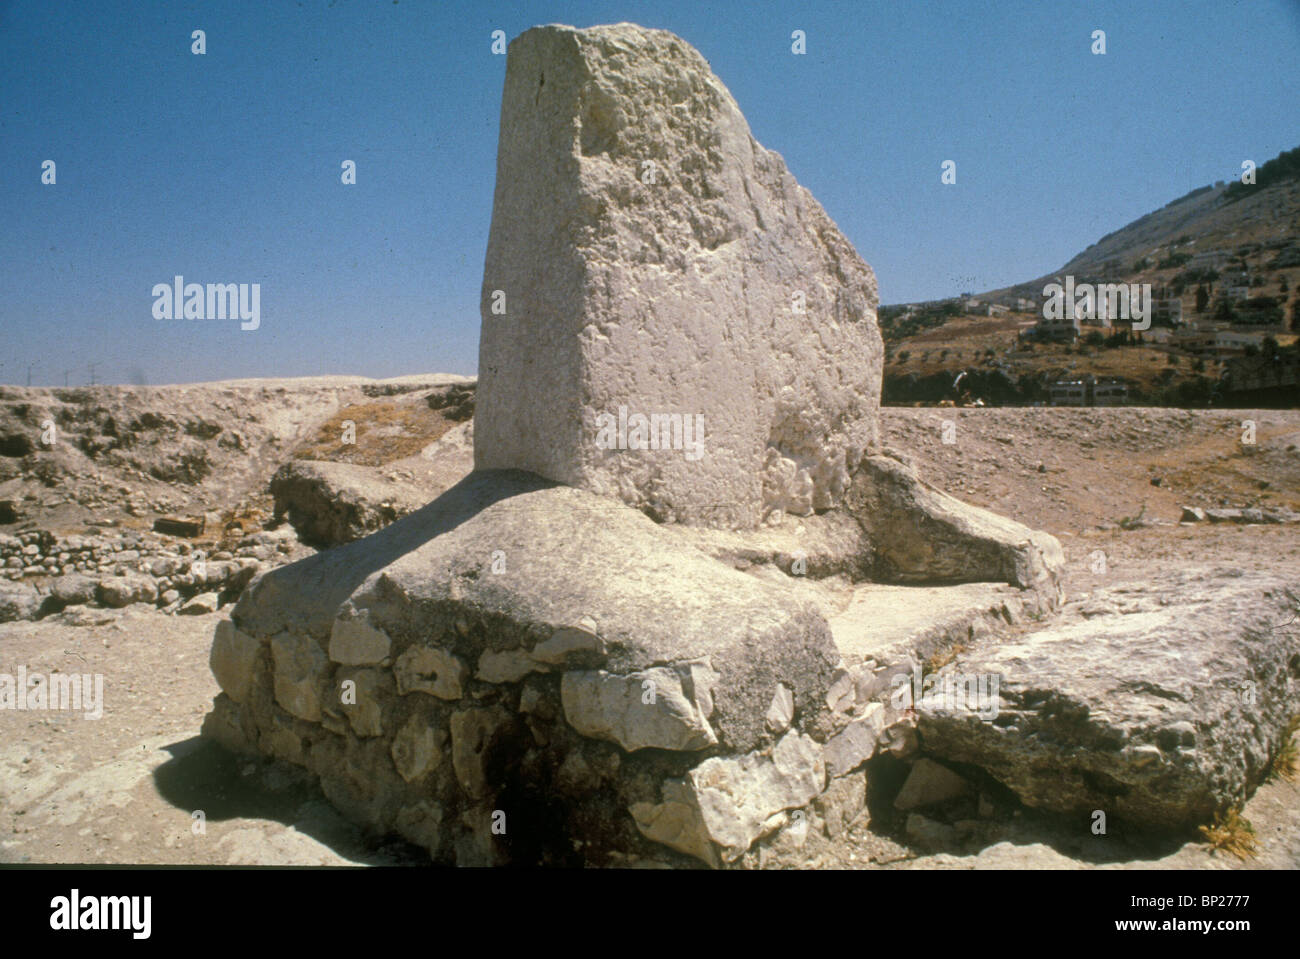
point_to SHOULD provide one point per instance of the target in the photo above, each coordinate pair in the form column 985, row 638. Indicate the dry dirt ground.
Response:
column 139, row 786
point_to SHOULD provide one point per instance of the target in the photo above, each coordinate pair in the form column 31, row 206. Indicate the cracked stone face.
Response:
column 649, row 259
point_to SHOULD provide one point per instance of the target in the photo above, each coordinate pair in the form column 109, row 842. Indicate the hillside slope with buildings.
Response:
column 1194, row 304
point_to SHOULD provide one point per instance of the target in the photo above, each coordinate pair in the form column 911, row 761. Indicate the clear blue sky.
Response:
column 226, row 167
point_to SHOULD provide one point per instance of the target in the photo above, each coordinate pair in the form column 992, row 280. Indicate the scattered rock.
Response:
column 1162, row 712
column 74, row 589
column 201, row 604
column 18, row 601
column 333, row 503
column 929, row 784
column 119, row 591
column 929, row 832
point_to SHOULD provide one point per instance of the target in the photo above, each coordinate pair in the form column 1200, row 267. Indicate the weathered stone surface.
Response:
column 417, row 748
column 929, row 783
column 738, row 797
column 18, row 601
column 232, row 659
column 473, row 732
column 1159, row 703
column 921, row 535
column 706, row 284
column 119, row 591
column 676, row 822
column 659, row 708
column 200, row 605
column 331, row 503
column 857, row 743
column 508, row 666
column 900, row 625
column 300, row 668
column 725, row 803
column 843, row 802
column 74, row 589
column 781, row 713
column 427, row 669
column 569, row 554
column 355, row 642
column 571, row 643
column 365, row 713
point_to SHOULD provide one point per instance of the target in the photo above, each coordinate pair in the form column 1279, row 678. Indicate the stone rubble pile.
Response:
column 44, row 573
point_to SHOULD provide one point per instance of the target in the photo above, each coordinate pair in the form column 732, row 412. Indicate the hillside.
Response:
column 1229, row 254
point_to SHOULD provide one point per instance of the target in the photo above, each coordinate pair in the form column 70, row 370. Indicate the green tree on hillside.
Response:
column 1284, row 166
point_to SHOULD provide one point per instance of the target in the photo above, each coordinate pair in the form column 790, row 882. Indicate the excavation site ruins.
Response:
column 664, row 585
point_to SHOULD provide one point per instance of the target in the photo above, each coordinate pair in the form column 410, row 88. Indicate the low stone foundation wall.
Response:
column 515, row 758
column 525, row 672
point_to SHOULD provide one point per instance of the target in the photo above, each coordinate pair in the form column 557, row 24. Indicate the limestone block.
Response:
column 473, row 732
column 929, row 784
column 569, row 643
column 300, row 669
column 508, row 666
column 365, row 712
column 857, row 743
column 658, row 708
column 691, row 331
column 676, row 822
column 417, row 748
column 427, row 669
column 738, row 796
column 356, row 642
column 234, row 654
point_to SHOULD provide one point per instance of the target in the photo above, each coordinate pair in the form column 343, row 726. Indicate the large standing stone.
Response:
column 646, row 253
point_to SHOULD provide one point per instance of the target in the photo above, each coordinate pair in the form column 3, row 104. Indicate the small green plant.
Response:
column 1231, row 833
column 1133, row 522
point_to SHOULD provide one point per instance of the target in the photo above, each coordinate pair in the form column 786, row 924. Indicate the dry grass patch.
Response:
column 1231, row 833
column 942, row 658
column 385, row 432
column 1286, row 762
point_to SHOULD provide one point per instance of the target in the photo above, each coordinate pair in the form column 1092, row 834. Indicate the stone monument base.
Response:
column 522, row 671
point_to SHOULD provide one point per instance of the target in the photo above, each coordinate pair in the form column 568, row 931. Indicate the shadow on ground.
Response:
column 204, row 776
